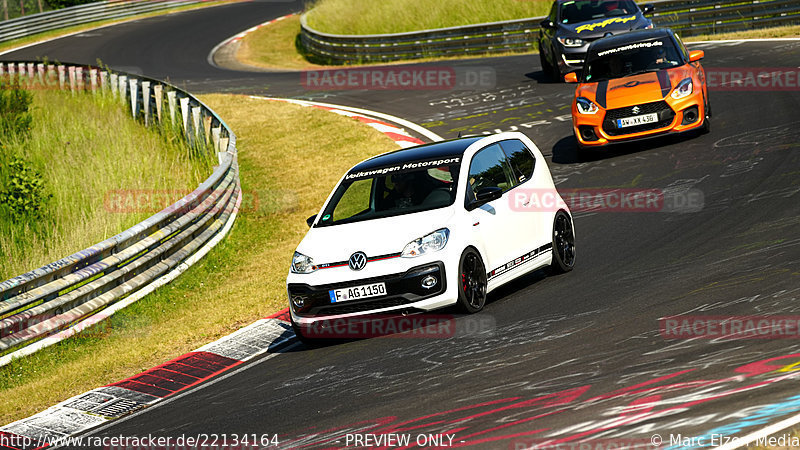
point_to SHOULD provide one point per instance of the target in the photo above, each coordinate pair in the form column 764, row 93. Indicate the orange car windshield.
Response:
column 631, row 59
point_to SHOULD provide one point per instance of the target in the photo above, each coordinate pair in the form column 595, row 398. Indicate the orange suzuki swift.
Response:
column 638, row 85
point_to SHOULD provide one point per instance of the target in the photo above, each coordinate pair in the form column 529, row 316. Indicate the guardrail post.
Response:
column 40, row 72
column 11, row 71
column 50, row 74
column 21, row 71
column 134, row 83
column 61, row 76
column 103, row 81
column 215, row 133
column 158, row 92
column 114, row 84
column 146, row 102
column 223, row 144
column 123, row 86
column 93, row 79
column 31, row 71
column 71, row 71
column 2, row 70
column 185, row 116
column 172, row 106
column 79, row 77
column 196, row 123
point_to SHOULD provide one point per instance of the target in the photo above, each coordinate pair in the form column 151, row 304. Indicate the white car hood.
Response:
column 378, row 237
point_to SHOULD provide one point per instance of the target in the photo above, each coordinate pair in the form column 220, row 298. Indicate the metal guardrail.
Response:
column 686, row 17
column 54, row 297
column 82, row 14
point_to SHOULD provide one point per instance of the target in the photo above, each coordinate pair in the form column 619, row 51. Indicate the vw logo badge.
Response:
column 357, row 261
column 635, row 110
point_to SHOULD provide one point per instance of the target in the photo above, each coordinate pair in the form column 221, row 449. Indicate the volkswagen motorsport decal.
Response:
column 414, row 165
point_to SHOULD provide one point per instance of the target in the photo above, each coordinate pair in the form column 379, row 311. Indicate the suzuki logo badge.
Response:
column 635, row 110
column 357, row 261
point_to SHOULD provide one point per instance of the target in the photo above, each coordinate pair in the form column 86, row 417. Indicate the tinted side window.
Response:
column 488, row 169
column 521, row 160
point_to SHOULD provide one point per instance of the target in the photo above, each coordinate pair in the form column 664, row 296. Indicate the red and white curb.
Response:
column 98, row 406
column 391, row 126
column 239, row 36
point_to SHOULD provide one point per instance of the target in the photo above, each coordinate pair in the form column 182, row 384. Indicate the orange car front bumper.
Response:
column 593, row 130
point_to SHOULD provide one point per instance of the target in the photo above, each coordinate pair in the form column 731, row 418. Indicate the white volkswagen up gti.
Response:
column 430, row 226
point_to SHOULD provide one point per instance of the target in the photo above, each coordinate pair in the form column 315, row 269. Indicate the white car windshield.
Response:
column 363, row 196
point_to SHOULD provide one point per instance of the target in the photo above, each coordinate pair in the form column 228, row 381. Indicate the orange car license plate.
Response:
column 637, row 120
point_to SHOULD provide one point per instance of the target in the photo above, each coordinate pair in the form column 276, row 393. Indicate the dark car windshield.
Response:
column 585, row 10
column 631, row 59
column 392, row 191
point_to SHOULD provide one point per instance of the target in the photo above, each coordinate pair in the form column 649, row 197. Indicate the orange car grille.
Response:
column 665, row 117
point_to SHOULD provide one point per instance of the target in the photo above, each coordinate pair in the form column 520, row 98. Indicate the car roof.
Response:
column 618, row 40
column 442, row 149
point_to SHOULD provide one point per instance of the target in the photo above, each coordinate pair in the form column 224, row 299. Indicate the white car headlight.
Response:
column 302, row 263
column 571, row 42
column 683, row 89
column 586, row 106
column 427, row 244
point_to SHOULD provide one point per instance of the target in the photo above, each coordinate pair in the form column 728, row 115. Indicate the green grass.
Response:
column 240, row 280
column 396, row 16
column 84, row 147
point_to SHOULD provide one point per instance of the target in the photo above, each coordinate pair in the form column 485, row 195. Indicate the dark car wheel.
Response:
column 706, row 128
column 563, row 243
column 472, row 282
column 309, row 342
column 547, row 70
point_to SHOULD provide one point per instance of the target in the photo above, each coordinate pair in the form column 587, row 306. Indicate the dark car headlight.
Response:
column 571, row 42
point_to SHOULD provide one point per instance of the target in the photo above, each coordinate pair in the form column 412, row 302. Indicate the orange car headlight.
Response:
column 586, row 106
column 683, row 89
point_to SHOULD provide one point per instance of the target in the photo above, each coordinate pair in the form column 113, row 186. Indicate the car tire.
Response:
column 472, row 282
column 547, row 70
column 310, row 342
column 563, row 243
column 706, row 127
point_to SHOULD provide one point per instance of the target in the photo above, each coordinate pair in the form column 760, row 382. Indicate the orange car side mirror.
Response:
column 571, row 77
column 696, row 55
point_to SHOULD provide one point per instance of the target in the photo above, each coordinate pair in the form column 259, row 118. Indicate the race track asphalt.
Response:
column 559, row 358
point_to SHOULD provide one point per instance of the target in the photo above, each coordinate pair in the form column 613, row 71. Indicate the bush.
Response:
column 23, row 194
column 15, row 119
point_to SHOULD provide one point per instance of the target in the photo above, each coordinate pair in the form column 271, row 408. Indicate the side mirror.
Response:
column 547, row 23
column 648, row 8
column 571, row 77
column 696, row 55
column 310, row 220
